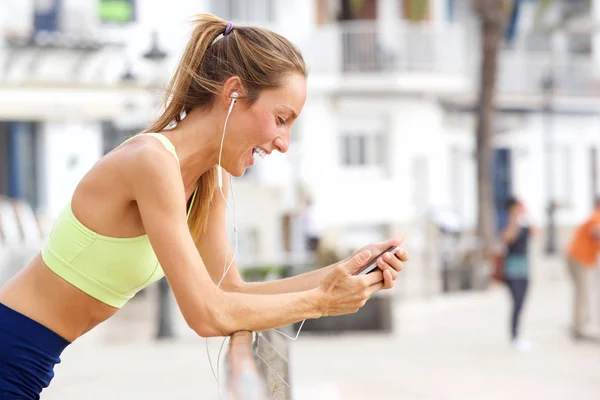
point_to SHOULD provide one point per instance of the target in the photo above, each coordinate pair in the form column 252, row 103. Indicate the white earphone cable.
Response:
column 227, row 218
column 225, row 266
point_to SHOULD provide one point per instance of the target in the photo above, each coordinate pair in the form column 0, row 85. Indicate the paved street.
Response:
column 451, row 347
column 457, row 348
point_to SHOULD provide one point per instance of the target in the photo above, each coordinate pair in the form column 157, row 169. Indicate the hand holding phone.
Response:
column 371, row 265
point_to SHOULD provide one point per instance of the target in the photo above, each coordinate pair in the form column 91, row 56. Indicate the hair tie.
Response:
column 228, row 28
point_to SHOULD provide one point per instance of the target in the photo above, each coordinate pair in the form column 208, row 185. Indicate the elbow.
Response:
column 210, row 321
column 234, row 287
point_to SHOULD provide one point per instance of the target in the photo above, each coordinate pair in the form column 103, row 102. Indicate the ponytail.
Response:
column 177, row 102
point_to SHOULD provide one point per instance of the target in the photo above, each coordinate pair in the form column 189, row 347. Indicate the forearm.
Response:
column 259, row 312
column 299, row 283
column 511, row 232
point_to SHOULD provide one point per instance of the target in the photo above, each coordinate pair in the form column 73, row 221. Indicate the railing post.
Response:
column 244, row 378
column 257, row 367
column 164, row 318
column 275, row 364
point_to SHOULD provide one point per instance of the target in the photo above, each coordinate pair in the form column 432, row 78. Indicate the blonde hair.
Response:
column 259, row 57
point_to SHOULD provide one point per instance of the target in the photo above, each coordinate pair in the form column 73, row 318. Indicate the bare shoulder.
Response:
column 150, row 172
column 140, row 157
column 145, row 157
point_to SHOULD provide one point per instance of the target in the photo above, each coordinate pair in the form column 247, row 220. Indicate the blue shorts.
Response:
column 28, row 353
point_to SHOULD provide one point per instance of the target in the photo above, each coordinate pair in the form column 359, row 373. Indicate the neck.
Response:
column 197, row 139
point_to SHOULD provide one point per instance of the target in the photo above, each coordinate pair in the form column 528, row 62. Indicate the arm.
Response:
column 312, row 279
column 511, row 231
column 153, row 177
column 213, row 246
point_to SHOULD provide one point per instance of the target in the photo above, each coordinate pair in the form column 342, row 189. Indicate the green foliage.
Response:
column 417, row 10
column 543, row 6
column 260, row 273
column 115, row 10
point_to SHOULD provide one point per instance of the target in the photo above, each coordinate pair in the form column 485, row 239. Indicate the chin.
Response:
column 237, row 172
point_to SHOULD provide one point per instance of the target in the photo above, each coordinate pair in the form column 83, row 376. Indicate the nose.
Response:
column 282, row 144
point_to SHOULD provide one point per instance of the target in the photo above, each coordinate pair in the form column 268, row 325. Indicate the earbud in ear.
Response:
column 234, row 97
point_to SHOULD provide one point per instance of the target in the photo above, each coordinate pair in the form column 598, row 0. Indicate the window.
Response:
column 245, row 10
column 363, row 149
column 46, row 15
column 579, row 43
column 20, row 161
column 537, row 41
column 363, row 143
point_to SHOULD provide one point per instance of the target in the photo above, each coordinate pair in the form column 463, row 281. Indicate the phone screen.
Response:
column 371, row 261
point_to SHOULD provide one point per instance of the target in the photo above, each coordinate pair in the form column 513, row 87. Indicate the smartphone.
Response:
column 372, row 263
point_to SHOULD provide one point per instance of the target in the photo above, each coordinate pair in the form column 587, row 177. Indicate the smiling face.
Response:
column 263, row 126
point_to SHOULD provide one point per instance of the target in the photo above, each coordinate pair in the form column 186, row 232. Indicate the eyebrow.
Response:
column 294, row 114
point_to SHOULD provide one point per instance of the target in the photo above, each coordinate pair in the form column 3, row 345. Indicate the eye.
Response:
column 280, row 121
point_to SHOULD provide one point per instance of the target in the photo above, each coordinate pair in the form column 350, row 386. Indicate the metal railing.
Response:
column 257, row 367
column 400, row 48
column 245, row 380
column 522, row 72
column 365, row 46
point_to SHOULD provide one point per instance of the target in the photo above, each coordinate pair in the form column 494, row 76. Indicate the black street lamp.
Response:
column 128, row 75
column 155, row 54
column 548, row 85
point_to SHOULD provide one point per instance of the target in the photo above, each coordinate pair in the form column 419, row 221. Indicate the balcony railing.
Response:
column 522, row 73
column 371, row 47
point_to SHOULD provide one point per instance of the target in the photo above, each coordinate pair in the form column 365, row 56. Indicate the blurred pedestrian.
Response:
column 516, row 238
column 582, row 257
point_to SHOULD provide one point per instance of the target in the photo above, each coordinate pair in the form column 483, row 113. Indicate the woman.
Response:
column 151, row 207
column 516, row 235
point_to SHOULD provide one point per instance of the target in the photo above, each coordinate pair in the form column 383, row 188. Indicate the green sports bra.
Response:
column 109, row 269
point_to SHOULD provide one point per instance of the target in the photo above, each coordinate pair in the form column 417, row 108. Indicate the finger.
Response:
column 373, row 277
column 388, row 281
column 383, row 266
column 356, row 262
column 402, row 254
column 374, row 288
column 393, row 261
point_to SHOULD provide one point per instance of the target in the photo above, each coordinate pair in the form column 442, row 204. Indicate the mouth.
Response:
column 261, row 153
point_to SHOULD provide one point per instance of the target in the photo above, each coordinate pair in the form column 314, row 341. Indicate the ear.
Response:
column 232, row 85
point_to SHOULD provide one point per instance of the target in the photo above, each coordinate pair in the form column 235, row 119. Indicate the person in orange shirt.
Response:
column 582, row 258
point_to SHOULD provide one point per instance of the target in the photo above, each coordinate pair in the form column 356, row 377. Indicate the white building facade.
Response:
column 387, row 133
